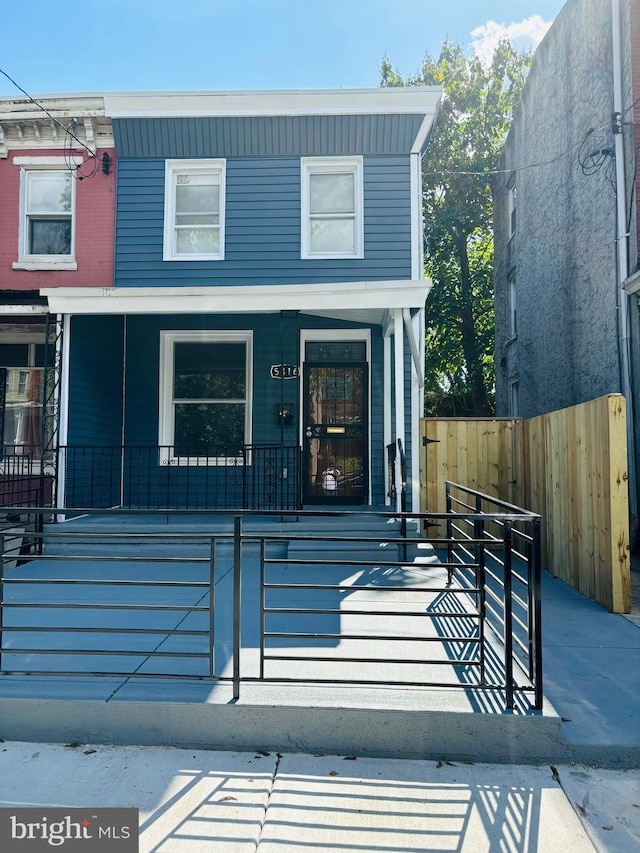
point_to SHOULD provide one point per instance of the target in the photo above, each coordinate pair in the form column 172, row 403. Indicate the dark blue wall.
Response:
column 262, row 244
column 275, row 340
column 92, row 462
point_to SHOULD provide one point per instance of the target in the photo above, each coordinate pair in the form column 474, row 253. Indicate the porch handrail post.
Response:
column 536, row 615
column 237, row 561
column 212, row 588
column 508, row 616
column 448, row 504
column 1, row 595
column 481, row 580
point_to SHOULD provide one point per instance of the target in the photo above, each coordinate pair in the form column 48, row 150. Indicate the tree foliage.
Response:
column 463, row 151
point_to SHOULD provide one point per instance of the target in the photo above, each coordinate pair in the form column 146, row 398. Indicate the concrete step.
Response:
column 385, row 722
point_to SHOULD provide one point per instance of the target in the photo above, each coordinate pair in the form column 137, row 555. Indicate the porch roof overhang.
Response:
column 358, row 301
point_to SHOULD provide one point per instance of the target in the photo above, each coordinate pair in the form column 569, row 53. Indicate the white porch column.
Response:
column 398, row 351
column 63, row 409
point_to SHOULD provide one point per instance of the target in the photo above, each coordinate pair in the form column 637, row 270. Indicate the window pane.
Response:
column 209, row 371
column 23, row 407
column 197, row 241
column 197, row 193
column 332, row 193
column 48, row 192
column 209, row 429
column 50, row 237
column 333, row 235
column 197, row 219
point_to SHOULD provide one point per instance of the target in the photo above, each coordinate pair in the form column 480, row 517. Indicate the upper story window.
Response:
column 47, row 214
column 194, row 210
column 332, row 207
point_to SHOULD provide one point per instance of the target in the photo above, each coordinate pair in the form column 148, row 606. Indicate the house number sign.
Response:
column 284, row 371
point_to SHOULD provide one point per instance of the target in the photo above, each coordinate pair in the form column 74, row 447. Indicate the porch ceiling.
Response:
column 360, row 301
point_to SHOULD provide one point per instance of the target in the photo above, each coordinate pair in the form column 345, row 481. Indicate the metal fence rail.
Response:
column 337, row 604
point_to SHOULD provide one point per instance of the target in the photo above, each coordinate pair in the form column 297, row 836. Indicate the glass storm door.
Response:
column 335, row 448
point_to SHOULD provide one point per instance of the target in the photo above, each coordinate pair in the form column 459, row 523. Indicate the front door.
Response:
column 335, row 446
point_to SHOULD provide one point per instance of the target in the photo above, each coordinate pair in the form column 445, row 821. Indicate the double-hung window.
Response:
column 205, row 395
column 194, row 210
column 47, row 214
column 332, row 207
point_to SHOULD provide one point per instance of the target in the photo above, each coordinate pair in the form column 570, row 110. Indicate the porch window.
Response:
column 194, row 210
column 21, row 381
column 205, row 406
column 332, row 207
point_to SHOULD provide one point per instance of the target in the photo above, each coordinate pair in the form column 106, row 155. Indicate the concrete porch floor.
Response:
column 586, row 649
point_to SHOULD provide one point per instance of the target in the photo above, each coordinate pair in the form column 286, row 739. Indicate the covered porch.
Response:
column 239, row 397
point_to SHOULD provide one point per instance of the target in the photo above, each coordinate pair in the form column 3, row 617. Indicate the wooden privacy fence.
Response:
column 569, row 466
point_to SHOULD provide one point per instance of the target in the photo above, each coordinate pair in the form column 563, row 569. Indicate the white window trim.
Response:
column 166, row 419
column 218, row 166
column 27, row 261
column 308, row 165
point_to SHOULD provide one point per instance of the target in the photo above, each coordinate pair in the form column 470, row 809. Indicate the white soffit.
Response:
column 369, row 299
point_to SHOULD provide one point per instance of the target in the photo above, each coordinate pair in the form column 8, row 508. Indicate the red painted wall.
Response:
column 95, row 212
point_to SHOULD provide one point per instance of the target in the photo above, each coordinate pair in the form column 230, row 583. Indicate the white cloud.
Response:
column 525, row 35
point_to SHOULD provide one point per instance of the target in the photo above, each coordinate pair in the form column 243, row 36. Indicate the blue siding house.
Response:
column 262, row 344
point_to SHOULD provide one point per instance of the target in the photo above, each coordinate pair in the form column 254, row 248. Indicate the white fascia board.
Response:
column 410, row 99
column 237, row 299
column 23, row 310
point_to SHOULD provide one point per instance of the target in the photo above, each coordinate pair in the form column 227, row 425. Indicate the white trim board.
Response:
column 380, row 295
column 410, row 99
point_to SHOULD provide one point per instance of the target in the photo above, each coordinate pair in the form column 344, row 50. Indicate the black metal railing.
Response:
column 496, row 547
column 25, row 484
column 469, row 614
column 141, row 477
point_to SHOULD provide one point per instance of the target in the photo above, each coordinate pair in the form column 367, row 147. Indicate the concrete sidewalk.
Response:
column 224, row 802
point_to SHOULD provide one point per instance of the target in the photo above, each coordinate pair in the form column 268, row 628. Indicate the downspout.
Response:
column 622, row 239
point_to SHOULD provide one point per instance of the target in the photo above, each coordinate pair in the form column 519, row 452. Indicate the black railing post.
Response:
column 1, row 595
column 262, row 607
column 448, row 504
column 212, row 588
column 508, row 615
column 535, row 614
column 237, row 560
column 481, row 580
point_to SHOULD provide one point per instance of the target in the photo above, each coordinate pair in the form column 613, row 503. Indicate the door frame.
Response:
column 329, row 334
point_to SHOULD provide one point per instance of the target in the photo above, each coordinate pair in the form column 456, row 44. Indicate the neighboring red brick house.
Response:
column 57, row 207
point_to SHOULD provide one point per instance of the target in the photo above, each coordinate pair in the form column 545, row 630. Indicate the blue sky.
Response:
column 139, row 45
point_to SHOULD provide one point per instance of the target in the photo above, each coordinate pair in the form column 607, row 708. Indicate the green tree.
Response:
column 463, row 151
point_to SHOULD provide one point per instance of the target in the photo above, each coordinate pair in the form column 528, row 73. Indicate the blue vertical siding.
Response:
column 266, row 136
column 263, row 210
